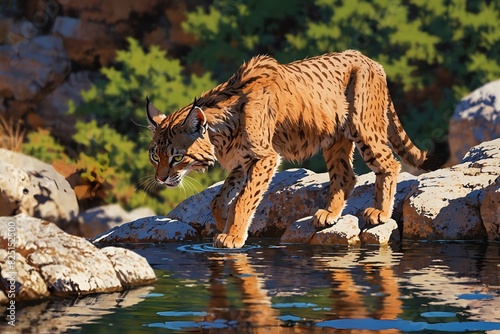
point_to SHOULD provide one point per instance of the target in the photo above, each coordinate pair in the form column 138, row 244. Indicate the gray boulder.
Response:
column 42, row 59
column 48, row 261
column 449, row 203
column 476, row 119
column 35, row 188
column 98, row 220
column 149, row 229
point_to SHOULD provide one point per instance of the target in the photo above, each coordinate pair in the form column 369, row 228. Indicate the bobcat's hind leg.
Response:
column 368, row 129
column 338, row 159
column 381, row 161
column 223, row 203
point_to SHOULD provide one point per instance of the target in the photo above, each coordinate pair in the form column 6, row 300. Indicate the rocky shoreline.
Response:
column 461, row 202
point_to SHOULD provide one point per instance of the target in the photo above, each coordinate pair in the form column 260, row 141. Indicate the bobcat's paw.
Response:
column 224, row 240
column 374, row 216
column 324, row 218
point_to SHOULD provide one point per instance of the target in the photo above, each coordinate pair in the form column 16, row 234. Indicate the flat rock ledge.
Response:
column 457, row 203
column 39, row 260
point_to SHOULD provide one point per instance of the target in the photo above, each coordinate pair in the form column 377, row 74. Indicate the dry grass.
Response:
column 11, row 134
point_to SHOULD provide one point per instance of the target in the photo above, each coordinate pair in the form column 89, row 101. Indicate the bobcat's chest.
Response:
column 227, row 149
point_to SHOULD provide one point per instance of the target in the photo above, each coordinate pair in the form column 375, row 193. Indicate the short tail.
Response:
column 408, row 152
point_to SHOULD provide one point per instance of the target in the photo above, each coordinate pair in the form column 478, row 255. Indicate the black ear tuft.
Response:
column 154, row 115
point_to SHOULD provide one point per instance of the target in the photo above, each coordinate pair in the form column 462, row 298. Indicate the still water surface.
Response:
column 282, row 288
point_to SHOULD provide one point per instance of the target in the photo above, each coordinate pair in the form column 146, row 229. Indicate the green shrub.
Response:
column 41, row 145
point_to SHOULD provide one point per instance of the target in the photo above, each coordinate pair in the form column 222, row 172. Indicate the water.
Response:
column 282, row 288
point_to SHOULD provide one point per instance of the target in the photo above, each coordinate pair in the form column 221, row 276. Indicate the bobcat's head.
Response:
column 180, row 143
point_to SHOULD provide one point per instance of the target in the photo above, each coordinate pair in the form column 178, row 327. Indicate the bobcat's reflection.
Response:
column 256, row 314
column 234, row 279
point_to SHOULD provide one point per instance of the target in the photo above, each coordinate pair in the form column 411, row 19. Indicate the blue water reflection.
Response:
column 275, row 288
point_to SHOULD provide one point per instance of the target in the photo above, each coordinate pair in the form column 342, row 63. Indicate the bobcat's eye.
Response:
column 155, row 157
column 178, row 158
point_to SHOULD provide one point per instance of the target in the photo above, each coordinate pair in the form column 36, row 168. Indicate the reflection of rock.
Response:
column 100, row 219
column 51, row 261
column 30, row 186
column 446, row 203
column 60, row 316
column 441, row 284
column 476, row 119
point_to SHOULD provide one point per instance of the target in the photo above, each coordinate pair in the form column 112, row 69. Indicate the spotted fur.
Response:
column 268, row 110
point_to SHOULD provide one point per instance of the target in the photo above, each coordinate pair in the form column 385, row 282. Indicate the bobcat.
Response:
column 268, row 110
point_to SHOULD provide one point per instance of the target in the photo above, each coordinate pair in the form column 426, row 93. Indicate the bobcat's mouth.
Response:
column 171, row 181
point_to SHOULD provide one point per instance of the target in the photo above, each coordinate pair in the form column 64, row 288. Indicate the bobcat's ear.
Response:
column 196, row 121
column 154, row 115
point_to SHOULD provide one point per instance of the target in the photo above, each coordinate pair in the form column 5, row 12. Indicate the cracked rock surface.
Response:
column 49, row 262
column 450, row 203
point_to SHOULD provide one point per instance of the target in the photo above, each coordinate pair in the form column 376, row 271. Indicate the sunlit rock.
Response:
column 49, row 260
column 33, row 187
column 490, row 210
column 300, row 231
column 29, row 282
column 100, row 219
column 292, row 195
column 476, row 119
column 149, row 229
column 344, row 232
column 381, row 234
column 446, row 203
column 131, row 268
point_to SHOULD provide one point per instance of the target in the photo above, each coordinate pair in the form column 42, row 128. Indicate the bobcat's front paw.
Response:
column 324, row 218
column 374, row 216
column 224, row 240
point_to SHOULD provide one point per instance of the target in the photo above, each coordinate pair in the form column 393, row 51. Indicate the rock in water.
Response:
column 49, row 261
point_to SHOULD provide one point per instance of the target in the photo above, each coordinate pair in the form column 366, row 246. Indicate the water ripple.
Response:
column 209, row 248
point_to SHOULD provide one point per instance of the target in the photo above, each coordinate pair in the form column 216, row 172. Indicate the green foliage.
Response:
column 229, row 32
column 121, row 98
column 41, row 145
column 434, row 52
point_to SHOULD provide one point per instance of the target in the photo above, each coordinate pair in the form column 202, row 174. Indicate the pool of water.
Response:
column 283, row 288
